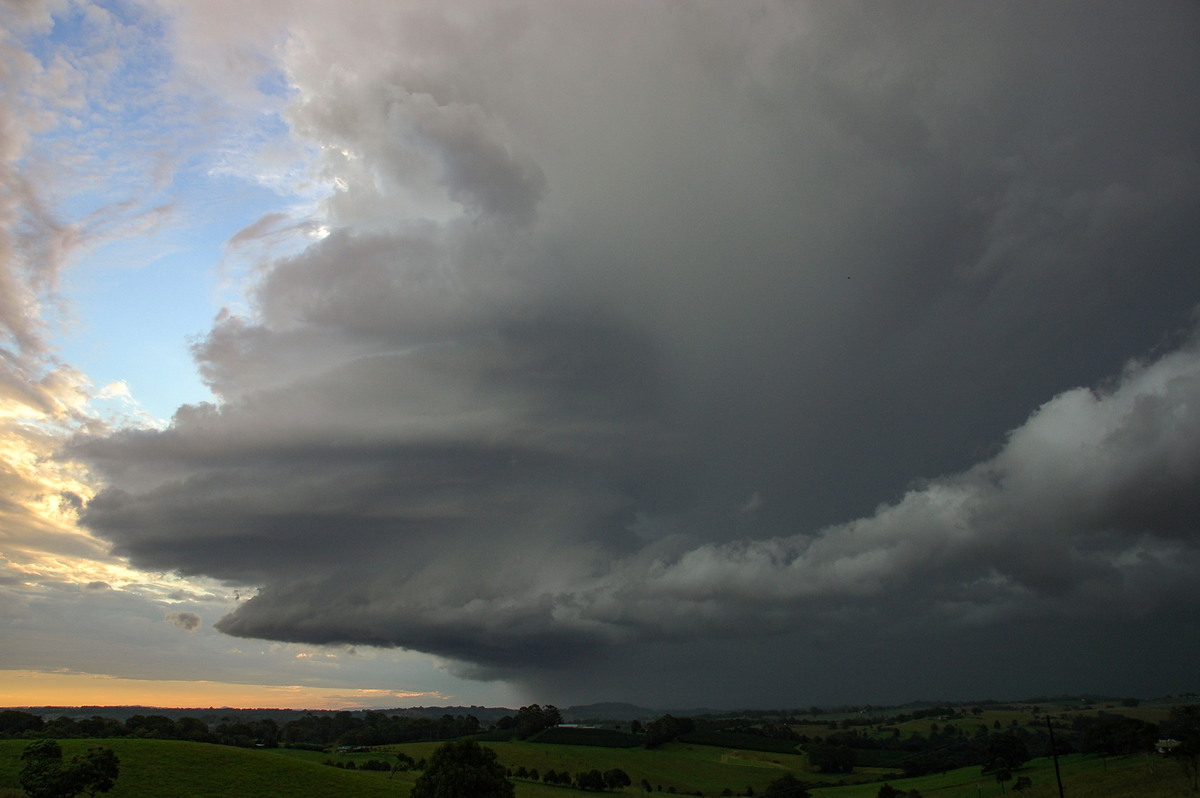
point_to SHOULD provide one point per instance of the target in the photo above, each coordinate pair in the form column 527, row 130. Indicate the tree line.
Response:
column 340, row 728
column 530, row 720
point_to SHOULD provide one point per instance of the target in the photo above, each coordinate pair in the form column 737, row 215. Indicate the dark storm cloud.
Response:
column 720, row 277
column 187, row 621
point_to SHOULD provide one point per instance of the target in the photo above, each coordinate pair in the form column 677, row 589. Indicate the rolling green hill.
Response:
column 1084, row 776
column 604, row 738
column 686, row 768
column 174, row 769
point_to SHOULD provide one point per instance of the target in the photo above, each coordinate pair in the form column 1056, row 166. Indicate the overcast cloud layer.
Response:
column 824, row 351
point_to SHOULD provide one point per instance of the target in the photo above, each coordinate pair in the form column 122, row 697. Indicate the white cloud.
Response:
column 116, row 390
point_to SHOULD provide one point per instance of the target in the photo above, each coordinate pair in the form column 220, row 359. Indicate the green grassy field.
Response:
column 749, row 742
column 685, row 767
column 605, row 738
column 171, row 769
column 1084, row 776
column 168, row 769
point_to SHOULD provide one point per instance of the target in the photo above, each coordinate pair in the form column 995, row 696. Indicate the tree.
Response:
column 535, row 718
column 590, row 780
column 665, row 729
column 1184, row 725
column 832, row 758
column 789, row 786
column 158, row 727
column 1117, row 735
column 463, row 768
column 1007, row 750
column 14, row 722
column 616, row 778
column 45, row 776
column 192, row 729
column 1187, row 754
column 97, row 770
column 1003, row 774
column 888, row 791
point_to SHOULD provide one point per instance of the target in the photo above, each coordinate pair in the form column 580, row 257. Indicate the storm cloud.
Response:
column 187, row 621
column 624, row 310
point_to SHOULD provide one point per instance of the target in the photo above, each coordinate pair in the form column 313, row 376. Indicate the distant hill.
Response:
column 610, row 710
column 486, row 715
column 626, row 712
column 122, row 713
column 603, row 711
column 607, row 711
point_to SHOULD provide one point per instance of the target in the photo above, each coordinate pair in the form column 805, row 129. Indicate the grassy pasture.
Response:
column 749, row 742
column 685, row 767
column 174, row 769
column 402, row 782
column 868, row 758
column 1084, row 776
column 171, row 769
column 605, row 738
column 1149, row 714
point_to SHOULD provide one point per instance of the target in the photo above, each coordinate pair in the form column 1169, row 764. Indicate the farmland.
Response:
column 721, row 756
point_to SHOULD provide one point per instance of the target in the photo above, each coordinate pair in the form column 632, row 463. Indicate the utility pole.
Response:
column 1054, row 753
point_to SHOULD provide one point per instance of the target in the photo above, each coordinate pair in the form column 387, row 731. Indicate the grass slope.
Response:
column 685, row 767
column 1084, row 776
column 604, row 738
column 749, row 742
column 172, row 769
column 169, row 769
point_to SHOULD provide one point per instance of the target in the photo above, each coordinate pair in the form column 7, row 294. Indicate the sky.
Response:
column 682, row 353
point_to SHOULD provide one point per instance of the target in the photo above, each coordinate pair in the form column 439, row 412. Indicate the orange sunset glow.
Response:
column 35, row 689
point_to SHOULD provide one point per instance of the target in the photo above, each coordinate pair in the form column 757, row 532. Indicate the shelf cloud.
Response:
column 751, row 338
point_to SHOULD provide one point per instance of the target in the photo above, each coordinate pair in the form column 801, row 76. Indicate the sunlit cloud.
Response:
column 116, row 390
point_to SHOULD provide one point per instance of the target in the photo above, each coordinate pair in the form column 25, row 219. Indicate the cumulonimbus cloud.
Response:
column 801, row 255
